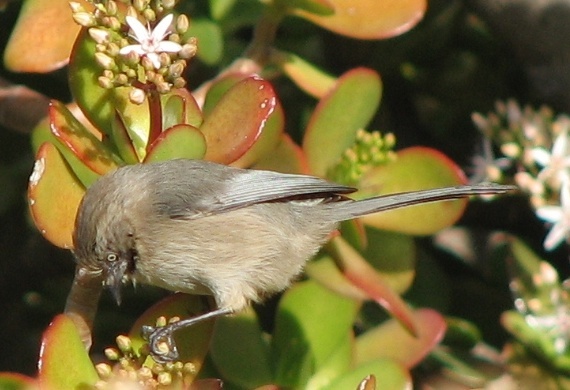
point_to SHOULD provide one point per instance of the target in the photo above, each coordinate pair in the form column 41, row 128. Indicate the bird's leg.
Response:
column 157, row 335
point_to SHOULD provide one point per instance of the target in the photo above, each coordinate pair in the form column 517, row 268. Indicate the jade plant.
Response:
column 129, row 65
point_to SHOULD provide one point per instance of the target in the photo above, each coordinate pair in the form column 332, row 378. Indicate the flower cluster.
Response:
column 370, row 150
column 130, row 51
column 536, row 155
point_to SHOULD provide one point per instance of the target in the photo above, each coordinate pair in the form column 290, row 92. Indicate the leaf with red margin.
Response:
column 43, row 36
column 415, row 168
column 54, row 194
column 348, row 107
column 71, row 133
column 180, row 141
column 369, row 19
column 193, row 342
column 362, row 275
column 288, row 157
column 122, row 141
column 180, row 107
column 390, row 340
column 61, row 350
column 15, row 381
column 238, row 119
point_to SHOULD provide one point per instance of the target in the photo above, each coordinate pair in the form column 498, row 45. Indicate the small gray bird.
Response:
column 203, row 228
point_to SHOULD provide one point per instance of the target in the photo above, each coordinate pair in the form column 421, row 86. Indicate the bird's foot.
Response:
column 161, row 342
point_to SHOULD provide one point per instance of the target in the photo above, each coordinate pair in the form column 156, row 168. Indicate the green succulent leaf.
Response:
column 389, row 375
column 345, row 109
column 61, row 349
column 239, row 351
column 303, row 342
column 180, row 141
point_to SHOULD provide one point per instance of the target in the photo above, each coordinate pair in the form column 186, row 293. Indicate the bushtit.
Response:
column 203, row 228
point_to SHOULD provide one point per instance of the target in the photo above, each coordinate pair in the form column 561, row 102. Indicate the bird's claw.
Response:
column 161, row 342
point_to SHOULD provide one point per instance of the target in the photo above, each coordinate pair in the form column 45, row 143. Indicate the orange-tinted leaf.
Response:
column 238, row 119
column 268, row 140
column 366, row 278
column 414, row 169
column 180, row 141
column 70, row 132
column 15, row 381
column 333, row 125
column 306, row 76
column 62, row 349
column 369, row 19
column 54, row 194
column 192, row 342
column 217, row 90
column 42, row 39
column 390, row 340
column 288, row 157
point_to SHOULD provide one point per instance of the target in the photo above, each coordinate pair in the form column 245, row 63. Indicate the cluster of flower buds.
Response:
column 535, row 145
column 370, row 150
column 130, row 51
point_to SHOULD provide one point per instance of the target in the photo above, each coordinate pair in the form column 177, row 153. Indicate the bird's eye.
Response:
column 111, row 257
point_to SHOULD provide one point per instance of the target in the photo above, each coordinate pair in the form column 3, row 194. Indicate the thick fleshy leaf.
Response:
column 339, row 363
column 238, row 119
column 54, row 194
column 333, row 125
column 369, row 19
column 180, row 107
column 288, row 157
column 306, row 76
column 42, row 134
column 15, row 381
column 393, row 255
column 62, row 349
column 217, row 90
column 414, row 169
column 193, row 341
column 388, row 375
column 43, row 36
column 71, row 133
column 122, row 141
column 180, row 141
column 311, row 324
column 268, row 140
column 324, row 270
column 391, row 340
column 239, row 351
column 364, row 276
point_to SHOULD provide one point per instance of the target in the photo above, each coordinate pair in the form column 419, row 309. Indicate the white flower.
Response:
column 559, row 216
column 151, row 42
column 556, row 163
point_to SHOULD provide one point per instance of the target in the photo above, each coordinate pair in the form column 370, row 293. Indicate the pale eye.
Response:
column 112, row 257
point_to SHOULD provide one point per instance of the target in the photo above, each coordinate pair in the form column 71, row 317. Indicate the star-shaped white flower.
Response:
column 151, row 42
column 556, row 164
column 559, row 216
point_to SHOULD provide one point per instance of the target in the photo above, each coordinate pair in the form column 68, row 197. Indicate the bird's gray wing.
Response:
column 212, row 189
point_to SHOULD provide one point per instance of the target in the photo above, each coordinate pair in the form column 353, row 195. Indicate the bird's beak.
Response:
column 115, row 277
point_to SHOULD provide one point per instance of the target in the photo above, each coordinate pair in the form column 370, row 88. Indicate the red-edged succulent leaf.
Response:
column 192, row 342
column 122, row 141
column 238, row 119
column 54, row 194
column 239, row 351
column 288, row 157
column 366, row 278
column 64, row 362
column 390, row 340
column 333, row 125
column 71, row 133
column 180, row 141
column 306, row 76
column 180, row 107
column 311, row 324
column 268, row 140
column 218, row 88
column 387, row 374
column 15, row 381
column 43, row 36
column 369, row 19
column 415, row 168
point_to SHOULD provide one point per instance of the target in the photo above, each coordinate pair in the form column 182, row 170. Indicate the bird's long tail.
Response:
column 353, row 209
